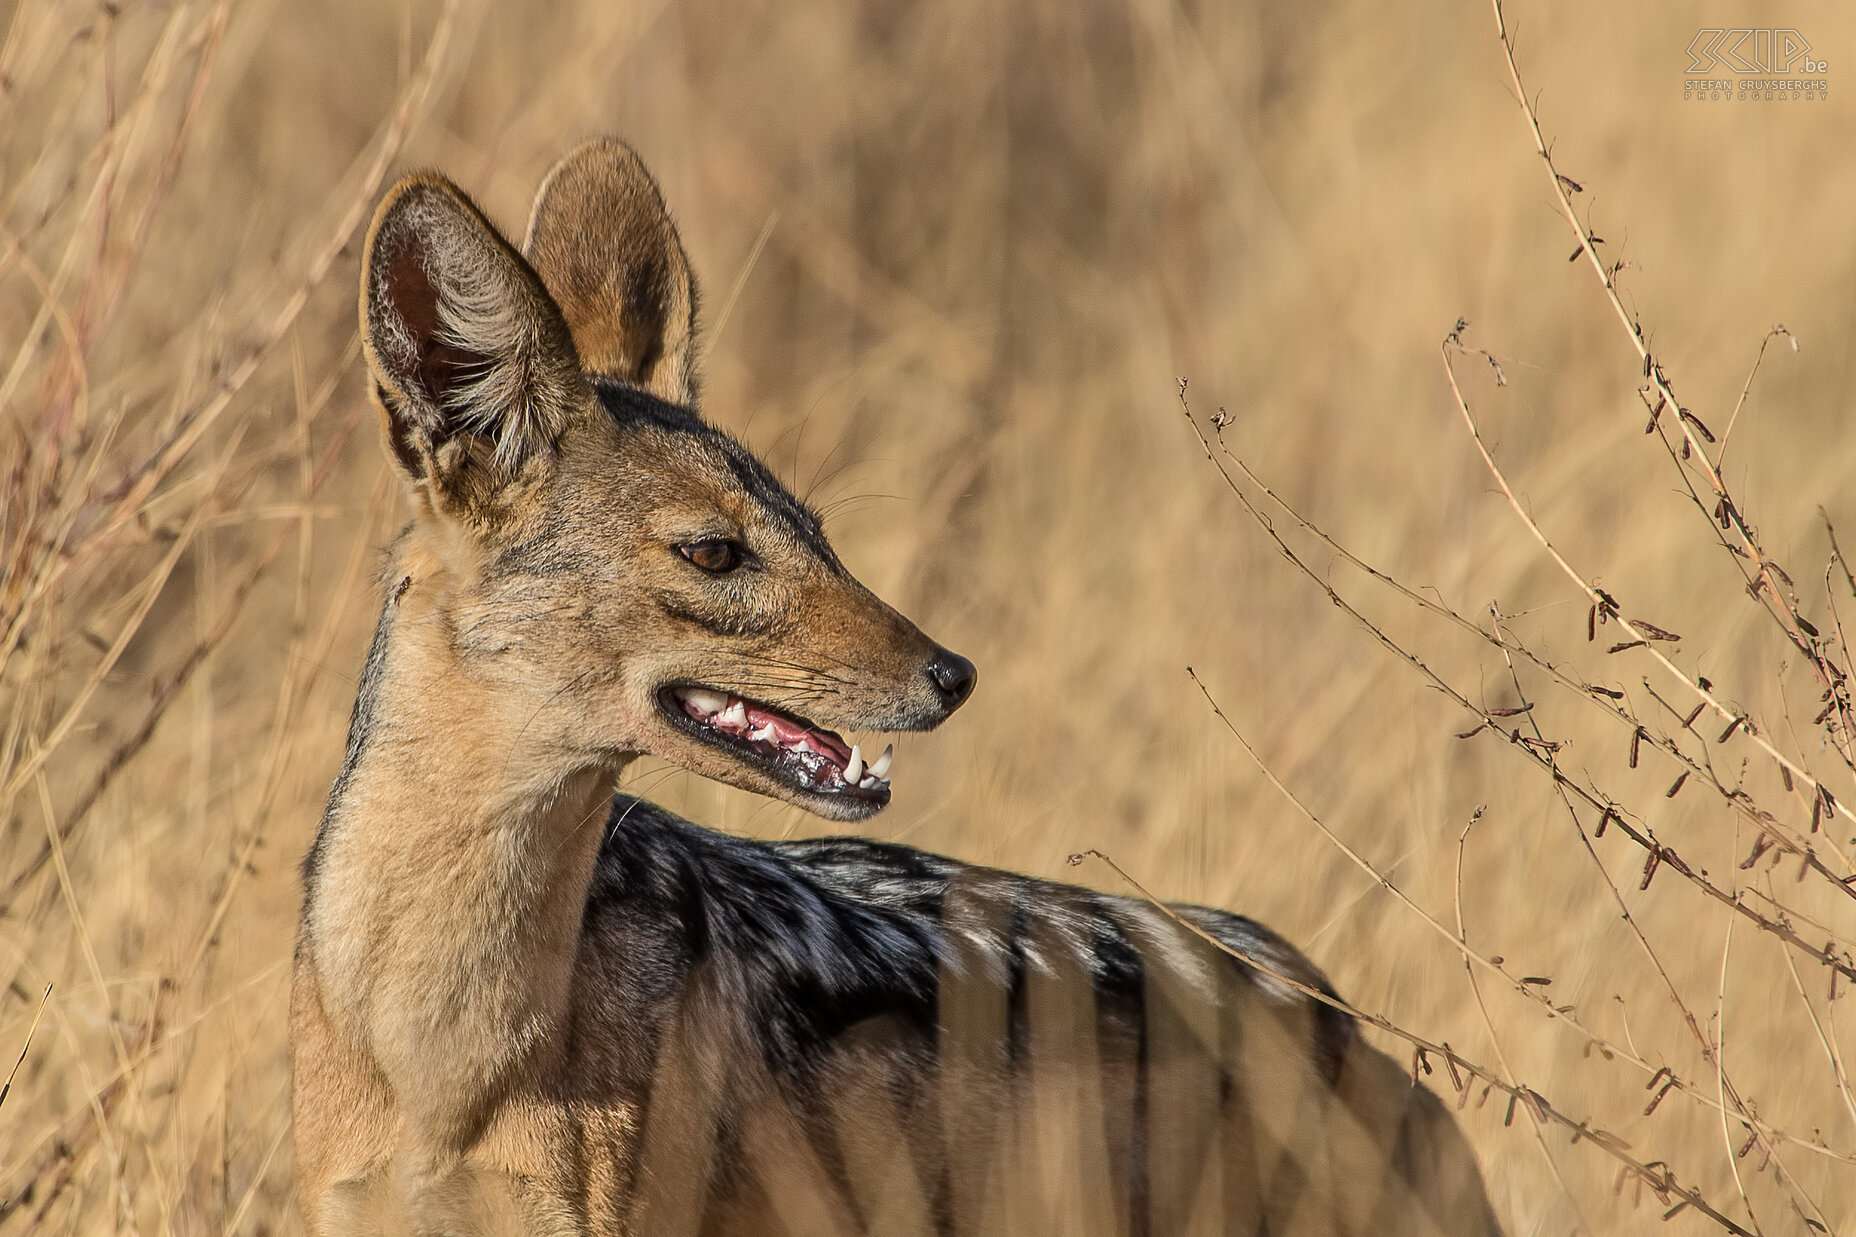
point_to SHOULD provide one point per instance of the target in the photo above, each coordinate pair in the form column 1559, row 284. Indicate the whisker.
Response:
column 845, row 503
column 817, row 671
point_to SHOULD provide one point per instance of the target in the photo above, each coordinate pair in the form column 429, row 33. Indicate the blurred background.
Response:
column 957, row 259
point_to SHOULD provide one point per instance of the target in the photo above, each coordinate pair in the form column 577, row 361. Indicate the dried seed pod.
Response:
column 1649, row 868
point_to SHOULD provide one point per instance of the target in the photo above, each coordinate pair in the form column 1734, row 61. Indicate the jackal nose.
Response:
column 954, row 677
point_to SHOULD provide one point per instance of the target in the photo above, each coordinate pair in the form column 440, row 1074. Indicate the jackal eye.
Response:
column 718, row 557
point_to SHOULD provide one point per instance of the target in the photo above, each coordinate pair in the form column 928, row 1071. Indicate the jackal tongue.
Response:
column 738, row 716
column 788, row 733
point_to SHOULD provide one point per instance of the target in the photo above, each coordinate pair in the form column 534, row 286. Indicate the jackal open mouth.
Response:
column 800, row 753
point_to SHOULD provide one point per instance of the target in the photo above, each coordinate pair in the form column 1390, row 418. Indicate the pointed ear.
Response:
column 604, row 245
column 473, row 363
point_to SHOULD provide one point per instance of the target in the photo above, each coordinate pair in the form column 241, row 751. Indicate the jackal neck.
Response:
column 448, row 880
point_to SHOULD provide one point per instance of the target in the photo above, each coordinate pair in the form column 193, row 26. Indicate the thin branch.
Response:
column 1607, row 606
column 1541, row 757
column 1603, row 699
column 1734, row 417
column 1766, row 580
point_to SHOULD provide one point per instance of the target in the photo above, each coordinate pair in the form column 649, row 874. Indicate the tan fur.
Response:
column 464, row 1060
column 620, row 276
column 435, row 967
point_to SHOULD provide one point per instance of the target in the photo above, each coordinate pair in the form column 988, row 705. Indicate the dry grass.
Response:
column 957, row 260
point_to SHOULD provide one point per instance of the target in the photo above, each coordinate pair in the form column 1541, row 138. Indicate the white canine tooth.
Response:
column 735, row 714
column 880, row 766
column 870, row 782
column 855, row 769
column 708, row 701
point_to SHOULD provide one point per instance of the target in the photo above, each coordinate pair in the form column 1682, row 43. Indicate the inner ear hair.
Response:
column 462, row 337
column 603, row 242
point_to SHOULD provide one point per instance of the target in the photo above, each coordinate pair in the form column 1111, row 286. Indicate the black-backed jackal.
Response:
column 522, row 1004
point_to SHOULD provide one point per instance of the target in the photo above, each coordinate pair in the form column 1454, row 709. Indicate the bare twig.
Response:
column 1766, row 580
column 1604, row 699
column 1734, row 417
column 1659, row 853
column 1606, row 605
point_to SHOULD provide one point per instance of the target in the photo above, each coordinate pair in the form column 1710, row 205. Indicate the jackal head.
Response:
column 621, row 576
